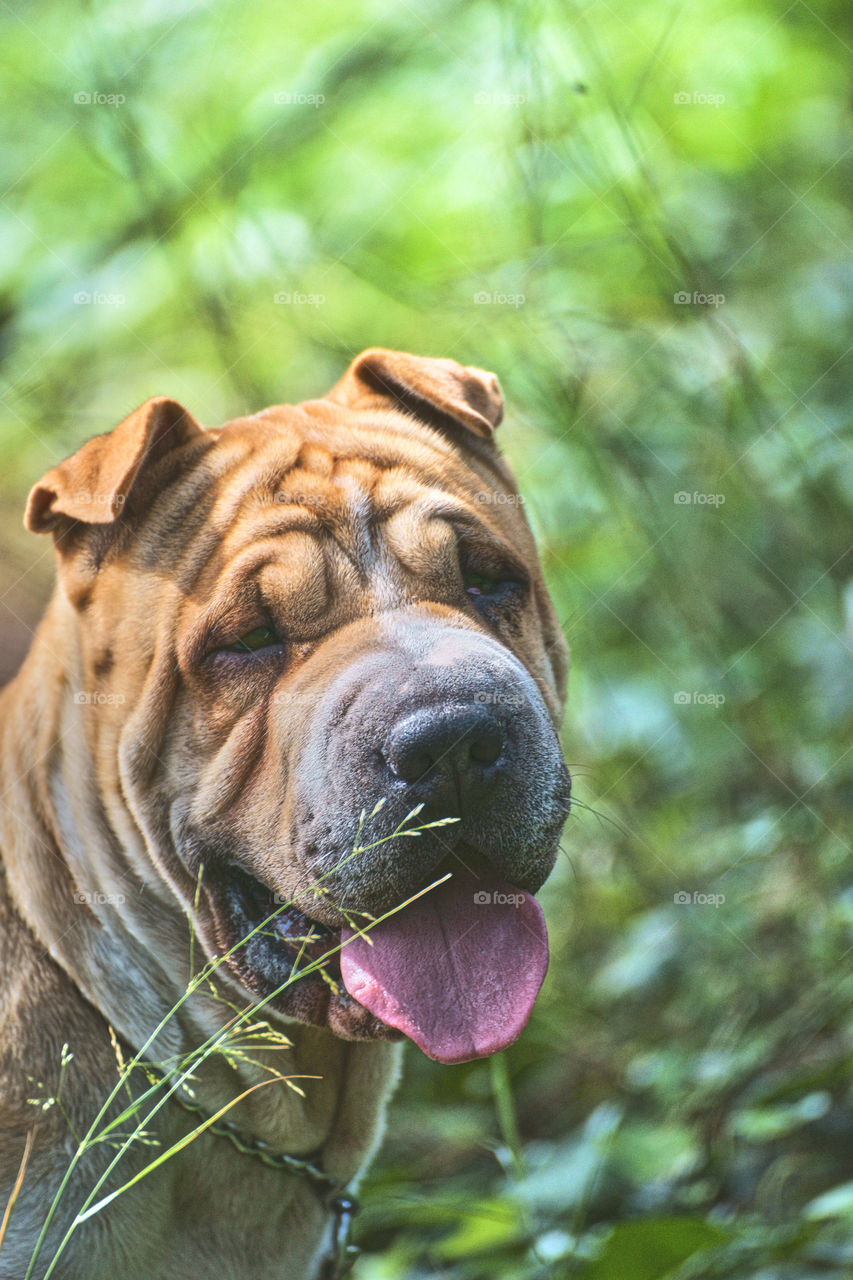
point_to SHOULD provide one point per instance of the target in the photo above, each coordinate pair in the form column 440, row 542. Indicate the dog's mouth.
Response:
column 457, row 969
column 282, row 955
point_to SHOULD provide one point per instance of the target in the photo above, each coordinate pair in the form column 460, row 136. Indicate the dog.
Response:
column 275, row 648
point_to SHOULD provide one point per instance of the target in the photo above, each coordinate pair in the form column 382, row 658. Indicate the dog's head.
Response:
column 300, row 634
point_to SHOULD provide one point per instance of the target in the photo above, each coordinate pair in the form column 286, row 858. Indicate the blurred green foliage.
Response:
column 535, row 188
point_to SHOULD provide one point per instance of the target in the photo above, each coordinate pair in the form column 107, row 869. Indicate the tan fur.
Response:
column 149, row 521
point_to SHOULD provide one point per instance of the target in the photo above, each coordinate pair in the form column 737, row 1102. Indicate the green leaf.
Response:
column 486, row 1225
column 652, row 1249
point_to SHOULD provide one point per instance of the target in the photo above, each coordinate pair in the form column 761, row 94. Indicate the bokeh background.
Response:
column 633, row 213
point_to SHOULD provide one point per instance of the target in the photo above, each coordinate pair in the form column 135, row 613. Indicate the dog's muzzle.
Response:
column 438, row 721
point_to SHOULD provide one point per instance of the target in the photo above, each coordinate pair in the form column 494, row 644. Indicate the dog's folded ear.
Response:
column 93, row 485
column 441, row 393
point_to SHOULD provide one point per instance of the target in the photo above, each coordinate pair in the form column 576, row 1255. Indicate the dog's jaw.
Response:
column 284, row 957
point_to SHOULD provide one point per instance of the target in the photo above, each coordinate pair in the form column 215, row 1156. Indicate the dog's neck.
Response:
column 126, row 945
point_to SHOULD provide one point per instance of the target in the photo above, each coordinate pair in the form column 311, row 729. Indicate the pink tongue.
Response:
column 457, row 971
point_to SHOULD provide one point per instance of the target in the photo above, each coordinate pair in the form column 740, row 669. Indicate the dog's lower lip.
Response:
column 304, row 935
column 285, row 959
column 266, row 916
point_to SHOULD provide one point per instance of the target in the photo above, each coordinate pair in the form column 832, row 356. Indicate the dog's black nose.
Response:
column 436, row 743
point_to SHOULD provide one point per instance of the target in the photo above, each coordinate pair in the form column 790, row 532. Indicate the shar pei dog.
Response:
column 277, row 650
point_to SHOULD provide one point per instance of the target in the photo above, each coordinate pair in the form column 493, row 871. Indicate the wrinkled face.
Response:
column 366, row 633
column 355, row 628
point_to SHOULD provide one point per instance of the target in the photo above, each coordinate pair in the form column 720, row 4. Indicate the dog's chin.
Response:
column 286, row 958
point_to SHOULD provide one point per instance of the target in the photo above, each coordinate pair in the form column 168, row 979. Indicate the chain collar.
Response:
column 340, row 1258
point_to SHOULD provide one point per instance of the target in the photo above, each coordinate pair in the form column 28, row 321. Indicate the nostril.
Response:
column 441, row 742
column 408, row 754
column 486, row 746
column 413, row 764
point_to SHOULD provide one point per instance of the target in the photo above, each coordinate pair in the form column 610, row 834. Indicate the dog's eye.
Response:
column 477, row 584
column 482, row 586
column 257, row 638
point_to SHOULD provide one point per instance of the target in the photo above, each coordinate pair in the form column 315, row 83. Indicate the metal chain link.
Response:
column 340, row 1258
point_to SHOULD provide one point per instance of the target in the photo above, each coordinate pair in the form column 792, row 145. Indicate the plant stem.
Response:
column 505, row 1109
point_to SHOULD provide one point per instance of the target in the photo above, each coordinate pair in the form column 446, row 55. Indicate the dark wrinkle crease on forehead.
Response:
column 349, row 503
column 294, row 482
column 379, row 446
